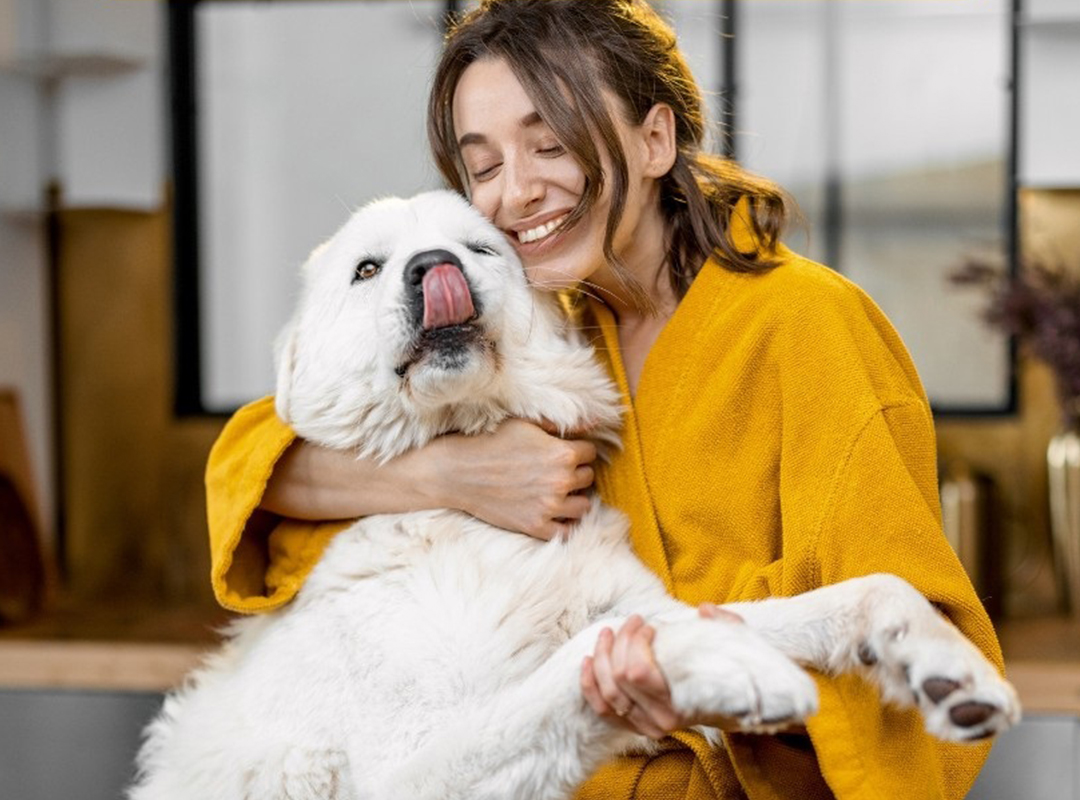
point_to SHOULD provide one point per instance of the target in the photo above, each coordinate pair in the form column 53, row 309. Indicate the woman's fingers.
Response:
column 581, row 451
column 584, row 475
column 635, row 720
column 641, row 721
column 643, row 676
column 519, row 478
column 635, row 667
column 553, row 529
column 645, row 683
column 574, row 507
column 603, row 671
column 622, row 682
column 621, row 661
column 713, row 611
column 590, row 690
column 549, row 427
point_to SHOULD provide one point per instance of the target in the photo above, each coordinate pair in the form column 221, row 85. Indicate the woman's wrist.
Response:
column 431, row 470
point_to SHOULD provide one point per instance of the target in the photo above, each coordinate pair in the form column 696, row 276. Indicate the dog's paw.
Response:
column 918, row 658
column 723, row 673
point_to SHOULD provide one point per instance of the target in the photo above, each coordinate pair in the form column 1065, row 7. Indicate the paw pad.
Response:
column 937, row 689
column 972, row 713
column 866, row 655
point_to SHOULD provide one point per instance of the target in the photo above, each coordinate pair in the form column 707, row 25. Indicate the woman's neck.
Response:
column 645, row 261
column 640, row 323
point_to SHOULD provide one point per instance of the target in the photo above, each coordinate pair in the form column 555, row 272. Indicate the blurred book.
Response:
column 972, row 525
column 22, row 562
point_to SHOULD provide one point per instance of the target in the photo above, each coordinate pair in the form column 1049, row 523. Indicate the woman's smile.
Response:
column 538, row 240
column 541, row 231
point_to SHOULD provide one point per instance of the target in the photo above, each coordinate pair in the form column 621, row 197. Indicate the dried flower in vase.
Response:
column 1040, row 305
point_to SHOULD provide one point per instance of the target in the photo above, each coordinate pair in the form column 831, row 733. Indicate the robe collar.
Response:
column 625, row 481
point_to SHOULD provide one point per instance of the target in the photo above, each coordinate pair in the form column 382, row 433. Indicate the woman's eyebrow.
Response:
column 530, row 120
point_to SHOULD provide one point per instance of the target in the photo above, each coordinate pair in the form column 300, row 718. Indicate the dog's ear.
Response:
column 285, row 360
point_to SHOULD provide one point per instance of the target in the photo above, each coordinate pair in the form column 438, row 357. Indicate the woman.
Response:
column 777, row 436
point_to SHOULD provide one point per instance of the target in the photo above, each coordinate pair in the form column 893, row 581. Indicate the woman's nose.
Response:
column 522, row 188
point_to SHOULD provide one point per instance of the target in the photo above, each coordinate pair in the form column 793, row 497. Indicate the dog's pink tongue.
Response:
column 446, row 297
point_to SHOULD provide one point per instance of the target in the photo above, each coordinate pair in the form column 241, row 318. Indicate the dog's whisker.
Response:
column 348, row 209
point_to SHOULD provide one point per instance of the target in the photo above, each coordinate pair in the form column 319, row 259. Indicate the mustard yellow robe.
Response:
column 779, row 440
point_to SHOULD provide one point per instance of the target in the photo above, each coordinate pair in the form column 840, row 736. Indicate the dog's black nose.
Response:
column 418, row 265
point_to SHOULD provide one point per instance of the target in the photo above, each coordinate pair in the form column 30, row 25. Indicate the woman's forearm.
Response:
column 316, row 483
column 518, row 477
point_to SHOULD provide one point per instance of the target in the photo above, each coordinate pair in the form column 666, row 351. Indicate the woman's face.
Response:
column 522, row 179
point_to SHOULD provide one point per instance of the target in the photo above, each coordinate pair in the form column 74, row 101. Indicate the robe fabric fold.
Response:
column 779, row 440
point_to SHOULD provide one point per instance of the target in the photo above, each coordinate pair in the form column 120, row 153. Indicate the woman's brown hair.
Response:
column 557, row 49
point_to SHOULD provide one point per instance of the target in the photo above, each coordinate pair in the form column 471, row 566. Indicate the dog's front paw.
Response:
column 722, row 673
column 918, row 658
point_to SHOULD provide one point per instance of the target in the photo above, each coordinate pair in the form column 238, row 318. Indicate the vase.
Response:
column 1063, row 461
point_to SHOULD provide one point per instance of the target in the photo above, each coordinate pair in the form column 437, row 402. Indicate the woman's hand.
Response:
column 622, row 682
column 521, row 477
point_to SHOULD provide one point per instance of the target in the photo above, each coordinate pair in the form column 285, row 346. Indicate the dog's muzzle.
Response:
column 437, row 290
column 442, row 308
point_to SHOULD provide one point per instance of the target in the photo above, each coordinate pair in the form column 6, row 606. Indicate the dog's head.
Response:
column 416, row 320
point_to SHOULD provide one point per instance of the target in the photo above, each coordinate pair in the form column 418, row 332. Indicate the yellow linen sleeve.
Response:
column 881, row 515
column 258, row 561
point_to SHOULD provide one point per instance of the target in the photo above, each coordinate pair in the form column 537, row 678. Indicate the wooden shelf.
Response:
column 1042, row 659
column 1052, row 640
column 122, row 646
column 97, row 666
column 123, row 621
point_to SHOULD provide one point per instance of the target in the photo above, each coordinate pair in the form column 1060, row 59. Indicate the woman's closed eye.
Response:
column 484, row 173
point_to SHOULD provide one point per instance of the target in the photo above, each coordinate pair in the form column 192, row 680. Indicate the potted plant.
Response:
column 1040, row 305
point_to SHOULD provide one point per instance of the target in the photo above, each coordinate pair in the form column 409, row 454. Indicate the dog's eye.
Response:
column 482, row 249
column 368, row 268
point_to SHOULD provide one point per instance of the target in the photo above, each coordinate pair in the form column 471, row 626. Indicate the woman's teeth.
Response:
column 540, row 231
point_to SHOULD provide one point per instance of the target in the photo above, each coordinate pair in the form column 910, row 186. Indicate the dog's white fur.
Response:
column 430, row 655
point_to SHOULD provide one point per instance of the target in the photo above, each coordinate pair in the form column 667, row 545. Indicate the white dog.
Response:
column 430, row 655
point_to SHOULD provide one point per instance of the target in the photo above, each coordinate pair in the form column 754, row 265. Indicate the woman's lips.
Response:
column 544, row 244
column 542, row 231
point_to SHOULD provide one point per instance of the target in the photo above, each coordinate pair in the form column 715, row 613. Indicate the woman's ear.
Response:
column 658, row 131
